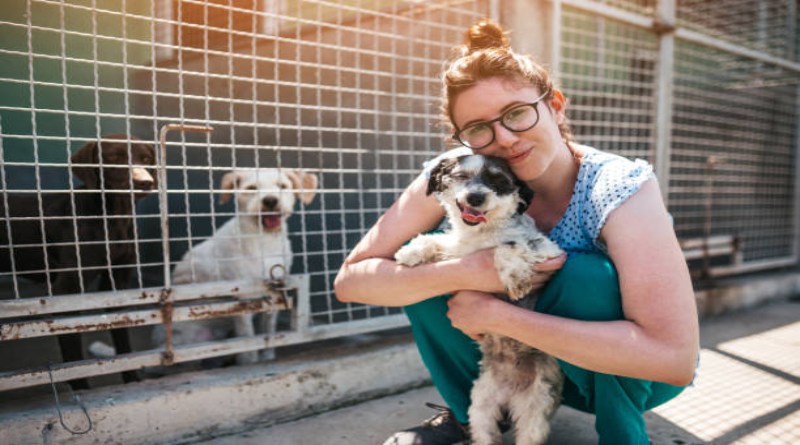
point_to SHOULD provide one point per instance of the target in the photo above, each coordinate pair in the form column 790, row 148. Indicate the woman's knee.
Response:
column 586, row 288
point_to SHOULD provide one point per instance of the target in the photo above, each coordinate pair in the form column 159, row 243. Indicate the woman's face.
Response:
column 529, row 152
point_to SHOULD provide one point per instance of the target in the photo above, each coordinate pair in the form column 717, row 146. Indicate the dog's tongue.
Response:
column 271, row 222
column 471, row 215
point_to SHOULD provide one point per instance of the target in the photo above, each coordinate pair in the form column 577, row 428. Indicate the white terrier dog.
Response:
column 246, row 246
column 485, row 205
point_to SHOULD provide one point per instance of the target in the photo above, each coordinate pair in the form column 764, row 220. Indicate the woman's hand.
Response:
column 473, row 312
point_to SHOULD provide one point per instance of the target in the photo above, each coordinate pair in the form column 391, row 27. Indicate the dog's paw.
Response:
column 515, row 265
column 407, row 256
column 420, row 250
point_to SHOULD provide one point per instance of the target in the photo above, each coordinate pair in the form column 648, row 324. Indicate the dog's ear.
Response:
column 526, row 194
column 305, row 183
column 88, row 154
column 229, row 182
column 438, row 172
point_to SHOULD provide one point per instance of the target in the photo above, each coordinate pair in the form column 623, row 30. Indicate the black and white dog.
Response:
column 485, row 205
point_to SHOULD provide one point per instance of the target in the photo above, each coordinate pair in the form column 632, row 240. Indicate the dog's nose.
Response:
column 142, row 179
column 475, row 199
column 269, row 202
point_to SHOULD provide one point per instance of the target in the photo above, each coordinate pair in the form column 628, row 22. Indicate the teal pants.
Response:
column 586, row 288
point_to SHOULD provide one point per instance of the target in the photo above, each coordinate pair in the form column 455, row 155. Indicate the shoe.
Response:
column 441, row 429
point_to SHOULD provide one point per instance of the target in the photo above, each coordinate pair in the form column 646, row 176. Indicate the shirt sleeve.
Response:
column 617, row 180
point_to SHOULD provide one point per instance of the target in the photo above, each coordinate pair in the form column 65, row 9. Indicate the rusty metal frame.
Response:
column 22, row 319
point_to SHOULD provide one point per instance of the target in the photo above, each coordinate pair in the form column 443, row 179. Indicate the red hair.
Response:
column 486, row 54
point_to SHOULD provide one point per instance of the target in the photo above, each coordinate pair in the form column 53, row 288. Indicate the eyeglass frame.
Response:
column 490, row 123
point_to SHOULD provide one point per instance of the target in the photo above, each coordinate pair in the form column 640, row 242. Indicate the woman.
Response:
column 619, row 311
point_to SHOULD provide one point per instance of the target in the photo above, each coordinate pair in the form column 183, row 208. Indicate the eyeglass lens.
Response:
column 517, row 119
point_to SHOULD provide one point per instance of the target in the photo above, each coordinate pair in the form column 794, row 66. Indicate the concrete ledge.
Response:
column 725, row 295
column 200, row 405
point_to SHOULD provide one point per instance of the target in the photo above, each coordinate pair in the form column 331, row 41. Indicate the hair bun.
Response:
column 485, row 34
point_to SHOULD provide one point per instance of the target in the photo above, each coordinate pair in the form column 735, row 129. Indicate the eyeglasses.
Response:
column 517, row 119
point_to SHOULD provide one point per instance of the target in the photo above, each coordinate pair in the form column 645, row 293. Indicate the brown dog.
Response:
column 116, row 173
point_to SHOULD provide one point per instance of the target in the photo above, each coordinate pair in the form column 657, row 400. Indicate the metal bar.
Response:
column 721, row 45
column 651, row 24
column 664, row 92
column 25, row 307
column 7, row 212
column 555, row 40
column 717, row 240
column 85, row 368
column 752, row 266
column 697, row 253
column 796, row 175
column 162, row 187
column 301, row 315
column 355, row 327
column 126, row 362
column 197, row 351
column 494, row 10
column 791, row 28
column 34, row 133
column 609, row 12
column 102, row 322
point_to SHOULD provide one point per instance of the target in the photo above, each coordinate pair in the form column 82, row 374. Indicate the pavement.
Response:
column 747, row 391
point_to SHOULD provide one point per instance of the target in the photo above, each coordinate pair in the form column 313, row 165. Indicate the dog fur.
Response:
column 485, row 206
column 116, row 174
column 246, row 246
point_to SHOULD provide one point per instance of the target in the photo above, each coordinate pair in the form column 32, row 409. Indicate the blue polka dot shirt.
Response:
column 605, row 181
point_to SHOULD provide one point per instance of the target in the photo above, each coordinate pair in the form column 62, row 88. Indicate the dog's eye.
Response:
column 495, row 178
column 147, row 160
column 283, row 186
column 459, row 176
column 499, row 182
column 250, row 187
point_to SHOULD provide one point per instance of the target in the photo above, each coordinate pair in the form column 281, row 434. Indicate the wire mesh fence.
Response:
column 608, row 70
column 732, row 158
column 734, row 151
column 346, row 91
column 768, row 25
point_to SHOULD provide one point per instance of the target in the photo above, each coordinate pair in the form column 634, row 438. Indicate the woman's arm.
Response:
column 370, row 275
column 659, row 338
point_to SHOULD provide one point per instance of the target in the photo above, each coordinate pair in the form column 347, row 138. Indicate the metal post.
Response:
column 555, row 41
column 791, row 28
column 664, row 25
column 532, row 24
column 494, row 10
column 796, row 200
column 790, row 55
column 162, row 188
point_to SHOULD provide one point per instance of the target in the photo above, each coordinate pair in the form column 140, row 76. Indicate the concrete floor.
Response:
column 747, row 391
